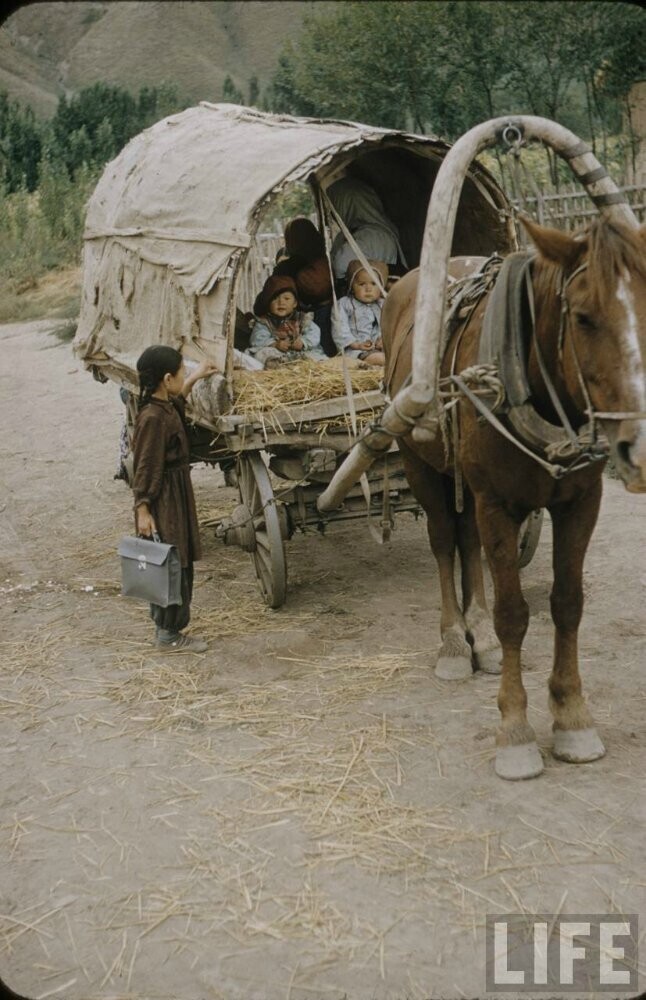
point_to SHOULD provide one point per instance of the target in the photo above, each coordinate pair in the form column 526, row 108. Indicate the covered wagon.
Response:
column 173, row 255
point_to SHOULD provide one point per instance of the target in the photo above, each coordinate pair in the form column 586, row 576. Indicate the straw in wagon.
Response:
column 356, row 324
column 283, row 332
column 163, row 494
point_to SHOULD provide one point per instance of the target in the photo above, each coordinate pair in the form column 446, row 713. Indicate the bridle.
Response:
column 592, row 414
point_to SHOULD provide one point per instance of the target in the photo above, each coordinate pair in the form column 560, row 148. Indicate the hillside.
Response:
column 47, row 49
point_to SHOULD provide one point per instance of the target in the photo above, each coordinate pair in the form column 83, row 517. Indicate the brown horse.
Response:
column 590, row 324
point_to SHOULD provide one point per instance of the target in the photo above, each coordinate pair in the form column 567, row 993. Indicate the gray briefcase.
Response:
column 150, row 571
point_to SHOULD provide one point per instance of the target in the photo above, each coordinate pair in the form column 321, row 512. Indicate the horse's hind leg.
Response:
column 430, row 489
column 517, row 755
column 481, row 634
column 575, row 738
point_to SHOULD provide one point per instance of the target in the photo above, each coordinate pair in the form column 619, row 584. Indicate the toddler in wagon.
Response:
column 282, row 332
column 357, row 326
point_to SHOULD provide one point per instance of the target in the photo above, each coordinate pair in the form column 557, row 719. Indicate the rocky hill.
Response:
column 47, row 49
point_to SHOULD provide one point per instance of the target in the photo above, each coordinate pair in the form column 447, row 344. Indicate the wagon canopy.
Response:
column 173, row 218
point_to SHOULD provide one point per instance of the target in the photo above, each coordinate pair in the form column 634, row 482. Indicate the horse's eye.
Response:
column 585, row 322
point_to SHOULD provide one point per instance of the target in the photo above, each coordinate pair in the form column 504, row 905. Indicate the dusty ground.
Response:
column 305, row 812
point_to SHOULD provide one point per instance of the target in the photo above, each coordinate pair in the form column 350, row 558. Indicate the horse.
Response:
column 589, row 304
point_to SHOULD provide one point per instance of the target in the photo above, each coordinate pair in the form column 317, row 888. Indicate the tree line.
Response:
column 88, row 129
column 48, row 170
column 442, row 67
column 431, row 67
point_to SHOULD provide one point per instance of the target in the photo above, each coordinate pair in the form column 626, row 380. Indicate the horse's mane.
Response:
column 612, row 248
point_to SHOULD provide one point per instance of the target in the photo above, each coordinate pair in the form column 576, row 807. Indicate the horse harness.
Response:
column 497, row 384
column 501, row 372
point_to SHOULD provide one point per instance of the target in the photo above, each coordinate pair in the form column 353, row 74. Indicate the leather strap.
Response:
column 616, row 198
column 579, row 149
column 593, row 176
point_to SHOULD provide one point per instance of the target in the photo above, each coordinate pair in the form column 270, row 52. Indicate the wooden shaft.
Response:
column 397, row 418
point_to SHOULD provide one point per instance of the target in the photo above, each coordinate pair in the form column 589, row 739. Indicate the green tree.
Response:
column 254, row 91
column 390, row 75
column 621, row 63
column 20, row 145
column 93, row 125
column 446, row 65
column 104, row 146
column 230, row 92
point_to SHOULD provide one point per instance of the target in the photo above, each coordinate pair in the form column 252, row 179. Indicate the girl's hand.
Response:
column 145, row 521
column 203, row 370
column 282, row 345
column 298, row 345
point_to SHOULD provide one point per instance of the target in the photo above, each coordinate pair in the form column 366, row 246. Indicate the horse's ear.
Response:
column 555, row 245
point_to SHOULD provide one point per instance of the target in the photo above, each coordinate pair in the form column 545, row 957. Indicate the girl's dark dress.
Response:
column 162, row 480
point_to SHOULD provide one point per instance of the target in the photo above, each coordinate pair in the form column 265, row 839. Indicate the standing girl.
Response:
column 164, row 501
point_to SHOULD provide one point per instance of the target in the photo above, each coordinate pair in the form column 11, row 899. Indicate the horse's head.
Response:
column 602, row 281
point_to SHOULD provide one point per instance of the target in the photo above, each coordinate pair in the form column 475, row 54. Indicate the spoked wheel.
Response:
column 268, row 553
column 530, row 532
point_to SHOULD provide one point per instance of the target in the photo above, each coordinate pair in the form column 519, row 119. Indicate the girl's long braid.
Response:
column 148, row 382
column 155, row 362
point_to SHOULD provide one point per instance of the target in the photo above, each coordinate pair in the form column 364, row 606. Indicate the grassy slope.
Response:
column 48, row 47
column 25, row 79
column 56, row 294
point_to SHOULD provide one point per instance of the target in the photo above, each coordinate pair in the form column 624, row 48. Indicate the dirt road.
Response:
column 305, row 812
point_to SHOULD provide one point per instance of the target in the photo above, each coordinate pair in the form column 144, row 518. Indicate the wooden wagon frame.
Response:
column 171, row 229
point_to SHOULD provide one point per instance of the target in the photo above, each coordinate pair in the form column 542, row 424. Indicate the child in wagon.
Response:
column 356, row 327
column 283, row 332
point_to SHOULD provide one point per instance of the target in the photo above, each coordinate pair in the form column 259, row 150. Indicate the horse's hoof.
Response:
column 490, row 662
column 515, row 763
column 577, row 746
column 453, row 668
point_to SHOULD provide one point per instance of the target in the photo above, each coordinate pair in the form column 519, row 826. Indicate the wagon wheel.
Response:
column 530, row 532
column 257, row 495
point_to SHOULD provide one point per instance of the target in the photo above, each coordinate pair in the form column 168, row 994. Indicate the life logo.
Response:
column 541, row 953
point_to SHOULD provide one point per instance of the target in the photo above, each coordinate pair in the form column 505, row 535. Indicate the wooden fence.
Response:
column 571, row 208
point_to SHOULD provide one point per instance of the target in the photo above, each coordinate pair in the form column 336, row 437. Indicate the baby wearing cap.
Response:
column 356, row 328
column 283, row 332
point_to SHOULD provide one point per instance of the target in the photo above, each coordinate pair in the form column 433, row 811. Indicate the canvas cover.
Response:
column 172, row 217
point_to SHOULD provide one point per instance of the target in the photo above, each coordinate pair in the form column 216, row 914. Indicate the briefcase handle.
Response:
column 155, row 536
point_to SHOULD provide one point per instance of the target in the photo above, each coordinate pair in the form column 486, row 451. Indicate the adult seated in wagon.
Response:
column 282, row 331
column 306, row 261
column 362, row 220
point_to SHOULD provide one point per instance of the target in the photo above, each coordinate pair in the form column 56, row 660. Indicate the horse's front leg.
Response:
column 481, row 634
column 432, row 490
column 575, row 738
column 517, row 755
